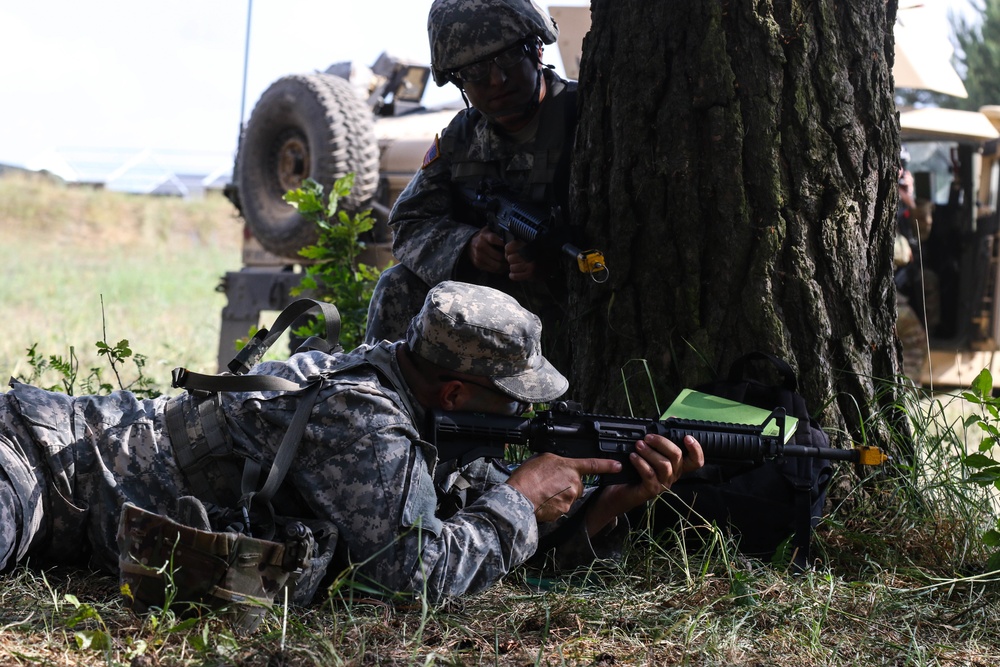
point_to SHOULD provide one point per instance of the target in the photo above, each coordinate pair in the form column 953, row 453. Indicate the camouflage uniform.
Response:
column 68, row 464
column 432, row 225
column 431, row 221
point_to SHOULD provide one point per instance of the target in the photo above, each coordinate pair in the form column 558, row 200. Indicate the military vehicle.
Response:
column 370, row 121
column 348, row 119
column 954, row 157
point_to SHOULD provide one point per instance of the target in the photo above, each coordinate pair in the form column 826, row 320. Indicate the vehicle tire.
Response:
column 362, row 153
column 304, row 126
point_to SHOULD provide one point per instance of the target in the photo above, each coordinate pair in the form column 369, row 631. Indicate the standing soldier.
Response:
column 517, row 132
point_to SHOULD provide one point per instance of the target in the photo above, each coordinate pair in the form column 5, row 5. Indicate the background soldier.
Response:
column 518, row 132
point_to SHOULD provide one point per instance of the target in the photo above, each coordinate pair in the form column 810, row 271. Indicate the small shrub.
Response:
column 336, row 275
column 983, row 463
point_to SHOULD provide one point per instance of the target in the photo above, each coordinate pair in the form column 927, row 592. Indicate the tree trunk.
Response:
column 738, row 161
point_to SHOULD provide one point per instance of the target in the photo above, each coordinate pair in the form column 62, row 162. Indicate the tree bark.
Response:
column 738, row 161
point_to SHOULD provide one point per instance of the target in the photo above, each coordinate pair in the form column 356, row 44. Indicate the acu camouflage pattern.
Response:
column 89, row 455
column 432, row 225
column 364, row 481
column 462, row 32
column 362, row 468
column 482, row 331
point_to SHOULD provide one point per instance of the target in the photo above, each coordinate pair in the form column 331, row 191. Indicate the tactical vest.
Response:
column 540, row 174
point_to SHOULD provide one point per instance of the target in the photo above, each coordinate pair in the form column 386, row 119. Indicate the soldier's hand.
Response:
column 520, row 268
column 486, row 252
column 553, row 483
column 660, row 463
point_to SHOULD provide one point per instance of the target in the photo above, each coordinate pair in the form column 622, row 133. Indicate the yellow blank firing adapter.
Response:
column 870, row 456
column 591, row 262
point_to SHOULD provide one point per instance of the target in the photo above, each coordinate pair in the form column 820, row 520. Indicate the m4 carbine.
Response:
column 514, row 220
column 567, row 431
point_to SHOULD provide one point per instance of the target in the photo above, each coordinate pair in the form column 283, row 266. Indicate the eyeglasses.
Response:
column 520, row 407
column 506, row 59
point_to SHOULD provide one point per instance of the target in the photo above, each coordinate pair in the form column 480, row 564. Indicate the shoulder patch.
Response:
column 433, row 153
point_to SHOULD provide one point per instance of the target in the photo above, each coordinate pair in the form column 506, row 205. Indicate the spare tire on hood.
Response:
column 304, row 126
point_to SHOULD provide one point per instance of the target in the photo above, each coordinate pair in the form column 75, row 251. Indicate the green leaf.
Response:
column 742, row 589
column 97, row 640
column 986, row 477
column 991, row 538
column 989, row 428
column 978, row 461
column 983, row 384
column 83, row 613
column 312, row 252
column 993, row 564
column 184, row 625
column 198, row 643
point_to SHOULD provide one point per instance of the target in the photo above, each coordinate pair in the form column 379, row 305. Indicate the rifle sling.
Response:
column 212, row 444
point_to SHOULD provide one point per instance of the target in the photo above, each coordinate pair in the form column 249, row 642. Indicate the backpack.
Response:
column 768, row 507
column 231, row 556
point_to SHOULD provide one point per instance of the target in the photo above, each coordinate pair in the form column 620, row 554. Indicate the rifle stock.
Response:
column 571, row 433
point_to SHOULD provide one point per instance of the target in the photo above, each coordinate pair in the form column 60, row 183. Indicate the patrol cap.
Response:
column 463, row 32
column 482, row 331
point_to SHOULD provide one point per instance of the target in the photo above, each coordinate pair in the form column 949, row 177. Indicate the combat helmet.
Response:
column 462, row 32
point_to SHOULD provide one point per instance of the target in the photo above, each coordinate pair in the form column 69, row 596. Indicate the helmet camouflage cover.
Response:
column 463, row 32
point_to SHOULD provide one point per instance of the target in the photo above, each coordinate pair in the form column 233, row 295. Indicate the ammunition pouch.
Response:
column 164, row 563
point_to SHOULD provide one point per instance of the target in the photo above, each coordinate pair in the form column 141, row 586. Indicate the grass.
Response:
column 899, row 579
column 77, row 265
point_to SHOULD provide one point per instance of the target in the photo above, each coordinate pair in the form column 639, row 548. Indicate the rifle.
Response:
column 568, row 431
column 514, row 220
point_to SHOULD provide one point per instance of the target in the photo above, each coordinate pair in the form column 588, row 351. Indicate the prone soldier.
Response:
column 364, row 478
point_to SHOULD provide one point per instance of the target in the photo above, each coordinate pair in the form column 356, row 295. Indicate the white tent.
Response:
column 923, row 56
column 924, row 62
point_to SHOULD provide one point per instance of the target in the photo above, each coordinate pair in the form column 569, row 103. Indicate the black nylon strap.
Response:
column 290, row 443
column 286, row 453
column 252, row 353
column 737, row 372
column 185, row 379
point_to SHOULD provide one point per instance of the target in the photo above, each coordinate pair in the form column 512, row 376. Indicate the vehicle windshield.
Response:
column 931, row 163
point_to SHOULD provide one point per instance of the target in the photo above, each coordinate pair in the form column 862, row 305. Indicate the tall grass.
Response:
column 75, row 262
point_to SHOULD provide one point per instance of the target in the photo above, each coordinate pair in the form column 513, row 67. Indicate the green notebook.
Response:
column 691, row 404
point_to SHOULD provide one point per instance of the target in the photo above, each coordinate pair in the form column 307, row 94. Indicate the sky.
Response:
column 168, row 76
column 127, row 75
